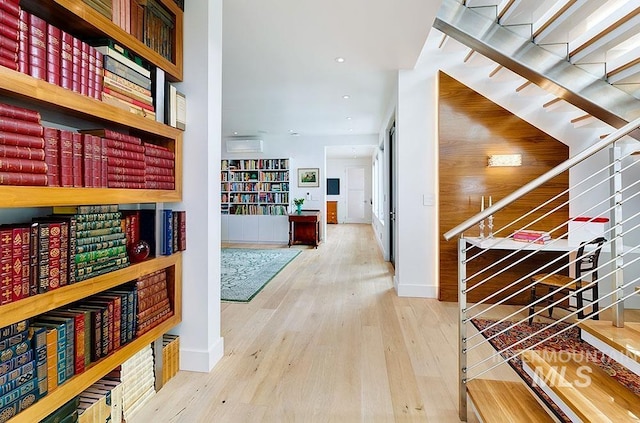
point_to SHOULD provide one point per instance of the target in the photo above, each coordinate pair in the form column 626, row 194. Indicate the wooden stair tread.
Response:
column 585, row 388
column 498, row 401
column 625, row 339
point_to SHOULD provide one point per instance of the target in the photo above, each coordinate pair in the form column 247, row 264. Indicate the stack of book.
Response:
column 22, row 154
column 159, row 29
column 126, row 82
column 170, row 356
column 124, row 156
column 159, row 167
column 93, row 169
column 102, row 402
column 100, row 241
column 65, row 345
column 529, row 235
column 138, row 381
column 153, row 301
column 9, row 33
column 19, row 383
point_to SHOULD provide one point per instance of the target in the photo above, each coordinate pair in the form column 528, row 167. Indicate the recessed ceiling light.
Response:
column 340, row 59
column 348, row 117
column 346, row 97
column 350, row 129
column 235, row 132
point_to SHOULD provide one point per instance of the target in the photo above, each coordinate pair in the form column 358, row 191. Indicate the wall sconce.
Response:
column 503, row 160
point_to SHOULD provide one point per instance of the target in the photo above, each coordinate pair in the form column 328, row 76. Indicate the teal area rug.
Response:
column 245, row 271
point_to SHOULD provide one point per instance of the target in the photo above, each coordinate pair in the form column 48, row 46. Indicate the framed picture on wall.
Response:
column 308, row 177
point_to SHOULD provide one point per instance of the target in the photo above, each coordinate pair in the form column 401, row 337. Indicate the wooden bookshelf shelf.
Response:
column 82, row 20
column 20, row 85
column 82, row 381
column 41, row 303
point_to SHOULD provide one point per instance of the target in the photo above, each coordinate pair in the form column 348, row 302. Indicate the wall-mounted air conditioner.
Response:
column 244, row 146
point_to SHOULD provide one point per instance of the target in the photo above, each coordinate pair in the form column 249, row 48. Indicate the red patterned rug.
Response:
column 567, row 341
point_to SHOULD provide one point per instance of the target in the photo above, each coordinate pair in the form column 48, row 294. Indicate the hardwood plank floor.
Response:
column 327, row 340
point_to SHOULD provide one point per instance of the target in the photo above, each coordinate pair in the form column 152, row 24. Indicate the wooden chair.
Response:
column 584, row 262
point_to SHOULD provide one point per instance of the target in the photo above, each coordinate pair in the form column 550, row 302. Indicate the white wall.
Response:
column 303, row 152
column 337, row 168
column 201, row 345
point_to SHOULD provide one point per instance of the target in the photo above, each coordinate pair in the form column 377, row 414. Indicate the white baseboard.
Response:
column 200, row 360
column 418, row 291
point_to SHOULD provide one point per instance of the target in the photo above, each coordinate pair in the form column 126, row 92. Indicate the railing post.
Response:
column 462, row 328
column 617, row 243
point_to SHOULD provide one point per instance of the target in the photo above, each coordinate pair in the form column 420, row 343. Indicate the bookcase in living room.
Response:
column 64, row 108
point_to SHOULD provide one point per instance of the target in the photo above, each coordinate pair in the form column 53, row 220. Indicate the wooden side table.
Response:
column 304, row 228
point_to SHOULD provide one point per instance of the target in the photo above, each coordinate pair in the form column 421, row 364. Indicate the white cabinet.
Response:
column 254, row 229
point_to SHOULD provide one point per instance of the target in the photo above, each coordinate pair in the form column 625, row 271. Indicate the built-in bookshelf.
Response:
column 254, row 186
column 70, row 109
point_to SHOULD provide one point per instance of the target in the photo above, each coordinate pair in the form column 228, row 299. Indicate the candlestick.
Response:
column 490, row 201
column 482, row 204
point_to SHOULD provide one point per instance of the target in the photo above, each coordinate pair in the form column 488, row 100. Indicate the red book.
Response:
column 10, row 32
column 12, row 138
column 10, row 7
column 37, row 47
column 24, row 179
column 6, row 272
column 78, row 160
column 11, row 164
column 87, row 160
column 159, row 178
column 154, row 170
column 125, row 178
column 20, row 113
column 182, row 230
column 19, row 126
column 8, row 63
column 9, row 19
column 118, row 136
column 132, row 226
column 23, row 43
column 159, row 162
column 97, row 161
column 97, row 82
column 118, row 162
column 76, row 64
column 84, row 68
column 159, row 185
column 16, row 260
column 51, row 149
column 21, row 152
column 53, row 54
column 158, row 151
column 91, row 86
column 121, row 145
column 126, row 185
column 66, row 60
column 9, row 55
column 10, row 44
column 26, row 265
column 104, row 166
column 124, row 154
column 66, row 158
column 115, row 170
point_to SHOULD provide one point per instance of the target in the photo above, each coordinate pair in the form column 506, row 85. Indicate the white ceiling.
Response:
column 279, row 69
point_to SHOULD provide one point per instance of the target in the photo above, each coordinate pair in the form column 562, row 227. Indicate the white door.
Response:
column 356, row 200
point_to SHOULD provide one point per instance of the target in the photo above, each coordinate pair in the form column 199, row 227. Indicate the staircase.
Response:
column 578, row 390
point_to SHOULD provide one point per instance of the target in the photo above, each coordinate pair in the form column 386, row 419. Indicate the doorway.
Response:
column 392, row 201
column 356, row 198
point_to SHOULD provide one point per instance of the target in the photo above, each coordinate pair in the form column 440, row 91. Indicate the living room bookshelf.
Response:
column 82, row 21
column 255, row 187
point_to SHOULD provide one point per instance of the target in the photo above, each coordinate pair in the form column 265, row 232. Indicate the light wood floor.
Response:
column 327, row 340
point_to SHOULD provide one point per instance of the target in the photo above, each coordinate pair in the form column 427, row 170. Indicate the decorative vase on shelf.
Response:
column 299, row 208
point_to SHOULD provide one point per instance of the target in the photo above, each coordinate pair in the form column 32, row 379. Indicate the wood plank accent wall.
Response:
column 471, row 127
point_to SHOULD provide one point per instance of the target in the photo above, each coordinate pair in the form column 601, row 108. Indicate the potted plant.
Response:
column 298, row 202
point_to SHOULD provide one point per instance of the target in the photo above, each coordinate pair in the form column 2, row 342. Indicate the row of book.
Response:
column 170, row 356
column 23, row 368
column 31, row 154
column 146, row 20
column 141, row 224
column 532, row 236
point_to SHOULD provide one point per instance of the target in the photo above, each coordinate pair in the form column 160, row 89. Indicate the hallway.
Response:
column 327, row 340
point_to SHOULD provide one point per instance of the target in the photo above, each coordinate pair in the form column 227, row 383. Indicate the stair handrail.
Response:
column 542, row 179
